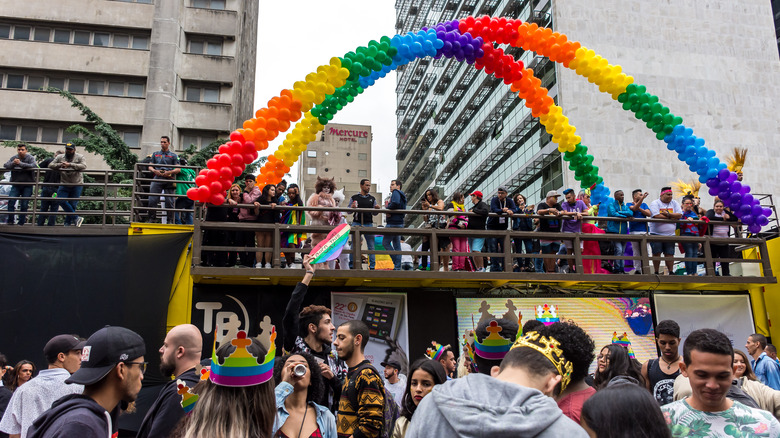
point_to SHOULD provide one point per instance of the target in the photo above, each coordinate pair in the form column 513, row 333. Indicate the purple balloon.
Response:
column 756, row 210
column 736, row 186
column 767, row 212
column 762, row 220
column 713, row 191
column 712, row 182
column 747, row 219
column 732, row 177
column 745, row 189
column 744, row 209
column 747, row 199
column 755, row 228
column 735, row 199
column 723, row 175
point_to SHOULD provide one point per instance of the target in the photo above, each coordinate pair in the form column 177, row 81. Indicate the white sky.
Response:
column 297, row 36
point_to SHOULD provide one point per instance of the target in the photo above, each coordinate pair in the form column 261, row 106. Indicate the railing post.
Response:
column 197, row 237
column 709, row 263
column 578, row 254
column 508, row 261
column 357, row 254
column 277, row 249
column 133, row 211
column 643, row 256
column 105, row 198
column 434, row 250
column 766, row 265
column 36, row 188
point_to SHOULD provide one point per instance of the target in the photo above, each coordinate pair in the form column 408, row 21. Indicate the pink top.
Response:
column 571, row 404
column 247, row 214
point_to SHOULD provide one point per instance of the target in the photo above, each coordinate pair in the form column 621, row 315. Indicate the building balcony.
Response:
column 210, row 22
column 91, row 12
column 207, row 68
column 27, row 104
column 204, row 116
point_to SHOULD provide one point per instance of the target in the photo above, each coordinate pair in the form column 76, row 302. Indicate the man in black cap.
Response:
column 395, row 382
column 29, row 401
column 179, row 355
column 112, row 368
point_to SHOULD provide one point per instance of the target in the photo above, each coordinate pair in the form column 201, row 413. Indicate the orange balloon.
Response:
column 272, row 113
column 260, row 134
column 260, row 145
column 284, row 114
column 284, row 125
column 272, row 124
column 249, row 134
column 295, row 105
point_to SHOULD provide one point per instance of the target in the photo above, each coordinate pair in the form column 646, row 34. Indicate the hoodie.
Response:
column 481, row 406
column 397, row 202
column 75, row 416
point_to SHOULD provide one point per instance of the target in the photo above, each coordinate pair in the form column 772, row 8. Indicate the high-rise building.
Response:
column 712, row 62
column 183, row 68
column 342, row 152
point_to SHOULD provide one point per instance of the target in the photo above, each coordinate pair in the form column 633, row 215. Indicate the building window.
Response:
column 15, row 81
column 96, row 87
column 42, row 34
column 311, row 154
column 50, row 135
column 140, row 42
column 61, row 36
column 21, row 33
column 132, row 139
column 198, row 139
column 121, row 41
column 363, row 173
column 116, row 88
column 199, row 93
column 205, row 47
column 79, row 37
column 209, row 4
column 135, row 90
column 74, row 85
column 5, row 31
column 101, row 39
column 35, row 82
column 311, row 170
column 362, row 156
column 11, row 130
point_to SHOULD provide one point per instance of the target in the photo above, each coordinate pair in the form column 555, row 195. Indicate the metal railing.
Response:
column 507, row 237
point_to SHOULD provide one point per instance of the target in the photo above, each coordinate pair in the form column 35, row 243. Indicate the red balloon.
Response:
column 226, row 183
column 226, row 173
column 223, row 148
column 237, row 170
column 248, row 147
column 236, row 136
column 212, row 163
column 223, row 160
column 248, row 158
column 215, row 187
column 217, row 199
column 203, row 193
column 201, row 180
column 193, row 194
column 237, row 159
column 213, row 175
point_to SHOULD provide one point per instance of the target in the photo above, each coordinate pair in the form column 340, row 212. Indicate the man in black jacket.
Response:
column 311, row 331
column 477, row 244
column 48, row 203
column 112, row 368
column 179, row 355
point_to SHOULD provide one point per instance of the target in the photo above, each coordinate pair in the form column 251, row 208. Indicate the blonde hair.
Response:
column 239, row 191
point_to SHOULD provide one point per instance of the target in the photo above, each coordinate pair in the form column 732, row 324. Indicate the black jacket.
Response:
column 478, row 222
column 75, row 415
column 166, row 411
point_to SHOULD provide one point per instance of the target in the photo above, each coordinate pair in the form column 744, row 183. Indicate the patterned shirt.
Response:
column 362, row 404
column 33, row 398
column 737, row 421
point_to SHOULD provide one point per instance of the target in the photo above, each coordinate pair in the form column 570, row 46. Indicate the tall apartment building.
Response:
column 712, row 62
column 342, row 152
column 182, row 68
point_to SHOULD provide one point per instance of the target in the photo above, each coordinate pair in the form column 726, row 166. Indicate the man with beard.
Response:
column 659, row 377
column 179, row 355
column 70, row 166
column 709, row 365
column 362, row 403
column 112, row 369
column 311, row 330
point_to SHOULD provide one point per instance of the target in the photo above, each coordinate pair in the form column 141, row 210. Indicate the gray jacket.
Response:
column 481, row 406
column 22, row 172
column 72, row 173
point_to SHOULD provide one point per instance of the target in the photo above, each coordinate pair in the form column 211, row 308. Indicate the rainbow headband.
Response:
column 494, row 346
column 242, row 368
column 624, row 342
column 437, row 351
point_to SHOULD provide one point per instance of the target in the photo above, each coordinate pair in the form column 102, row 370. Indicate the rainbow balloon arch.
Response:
column 313, row 102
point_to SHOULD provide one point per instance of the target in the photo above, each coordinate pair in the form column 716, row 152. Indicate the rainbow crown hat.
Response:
column 547, row 314
column 623, row 342
column 242, row 368
column 188, row 398
column 551, row 349
column 436, row 351
column 495, row 346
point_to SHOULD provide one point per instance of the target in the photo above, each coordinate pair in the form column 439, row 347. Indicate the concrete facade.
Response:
column 181, row 68
column 342, row 152
column 712, row 62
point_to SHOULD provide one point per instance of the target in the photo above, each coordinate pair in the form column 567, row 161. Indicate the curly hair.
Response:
column 578, row 348
column 310, row 315
column 322, row 182
column 316, row 384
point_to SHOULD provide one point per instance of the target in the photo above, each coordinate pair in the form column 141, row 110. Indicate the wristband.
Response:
column 310, row 272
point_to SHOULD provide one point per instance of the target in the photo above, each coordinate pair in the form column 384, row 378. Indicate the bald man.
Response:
column 179, row 355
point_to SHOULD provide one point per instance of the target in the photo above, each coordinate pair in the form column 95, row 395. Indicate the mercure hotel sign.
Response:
column 348, row 134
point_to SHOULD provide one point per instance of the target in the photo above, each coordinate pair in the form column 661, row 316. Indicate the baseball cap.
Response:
column 392, row 364
column 477, row 193
column 62, row 344
column 103, row 350
column 70, row 146
column 553, row 193
column 502, row 189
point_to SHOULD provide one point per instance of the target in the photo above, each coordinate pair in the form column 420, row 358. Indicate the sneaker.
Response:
column 296, row 266
column 79, row 221
column 259, row 265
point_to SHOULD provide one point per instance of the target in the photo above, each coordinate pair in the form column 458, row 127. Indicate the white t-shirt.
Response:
column 656, row 207
column 397, row 389
column 406, row 258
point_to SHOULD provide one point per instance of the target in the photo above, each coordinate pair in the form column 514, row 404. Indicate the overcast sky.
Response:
column 297, row 36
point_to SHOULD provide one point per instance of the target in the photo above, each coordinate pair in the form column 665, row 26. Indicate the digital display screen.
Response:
column 599, row 317
column 379, row 319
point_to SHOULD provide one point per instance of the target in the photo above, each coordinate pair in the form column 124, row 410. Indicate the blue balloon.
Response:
column 710, row 153
column 701, row 162
column 703, row 178
column 688, row 132
column 712, row 162
column 690, row 160
column 699, row 142
column 669, row 139
column 679, row 130
column 722, row 166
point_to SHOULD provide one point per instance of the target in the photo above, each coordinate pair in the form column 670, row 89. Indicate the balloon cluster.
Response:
column 217, row 177
column 499, row 30
column 646, row 107
column 455, row 44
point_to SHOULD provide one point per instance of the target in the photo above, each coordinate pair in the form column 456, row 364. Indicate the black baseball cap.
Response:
column 62, row 344
column 70, row 146
column 392, row 364
column 103, row 350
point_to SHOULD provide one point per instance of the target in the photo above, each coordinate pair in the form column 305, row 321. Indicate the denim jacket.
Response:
column 325, row 419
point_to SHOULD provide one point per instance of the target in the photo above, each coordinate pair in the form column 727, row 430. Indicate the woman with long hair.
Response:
column 22, row 373
column 293, row 217
column 623, row 411
column 613, row 361
column 523, row 223
column 459, row 243
column 265, row 238
column 234, row 237
column 232, row 411
column 431, row 202
column 718, row 217
column 298, row 414
column 424, row 374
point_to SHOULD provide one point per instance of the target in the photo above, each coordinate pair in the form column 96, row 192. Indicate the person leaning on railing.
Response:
column 70, row 165
column 521, row 222
column 688, row 228
column 432, row 202
column 718, row 215
column 21, row 165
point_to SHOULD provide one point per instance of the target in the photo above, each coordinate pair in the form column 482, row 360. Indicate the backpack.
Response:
column 390, row 413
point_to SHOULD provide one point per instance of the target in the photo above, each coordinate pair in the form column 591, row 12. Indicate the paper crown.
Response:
column 495, row 346
column 682, row 188
column 468, row 348
column 242, row 368
column 550, row 348
column 623, row 342
column 436, row 351
column 188, row 398
column 547, row 314
column 736, row 162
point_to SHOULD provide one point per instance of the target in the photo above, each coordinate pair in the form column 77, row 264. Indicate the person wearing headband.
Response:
column 664, row 208
column 516, row 399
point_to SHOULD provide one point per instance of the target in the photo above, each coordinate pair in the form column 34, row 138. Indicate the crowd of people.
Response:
column 510, row 380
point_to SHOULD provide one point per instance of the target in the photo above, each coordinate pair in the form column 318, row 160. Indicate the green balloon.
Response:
column 322, row 120
column 656, row 108
column 623, row 97
column 631, row 88
column 346, row 63
column 627, row 105
column 668, row 129
column 677, row 121
column 661, row 135
column 641, row 89
column 644, row 98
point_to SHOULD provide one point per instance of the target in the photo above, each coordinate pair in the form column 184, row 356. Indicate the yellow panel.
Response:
column 771, row 292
